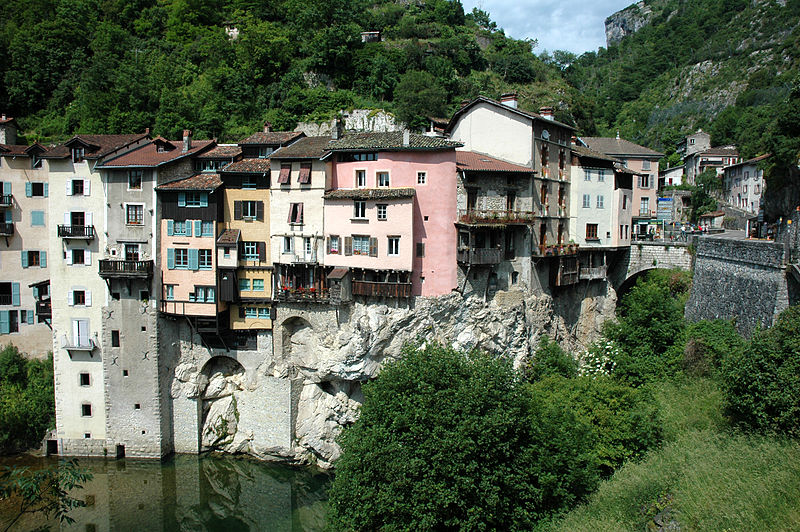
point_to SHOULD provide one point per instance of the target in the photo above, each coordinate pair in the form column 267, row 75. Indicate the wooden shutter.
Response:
column 88, row 298
column 87, row 218
column 328, row 245
column 7, row 192
column 198, row 228
column 373, row 247
column 24, row 255
column 299, row 214
column 237, row 210
column 28, row 189
column 87, row 187
column 67, row 219
column 5, row 322
column 283, row 177
column 290, row 218
column 241, row 311
column 43, row 259
column 181, row 199
column 305, row 174
column 69, row 187
column 262, row 251
column 15, row 294
column 87, row 257
column 46, row 190
column 30, row 317
column 348, row 245
column 170, row 227
column 194, row 259
column 170, row 259
column 260, row 211
column 204, row 199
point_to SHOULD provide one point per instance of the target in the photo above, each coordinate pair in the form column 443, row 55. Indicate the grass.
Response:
column 709, row 477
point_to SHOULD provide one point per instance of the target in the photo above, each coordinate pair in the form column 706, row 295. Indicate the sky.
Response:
column 574, row 25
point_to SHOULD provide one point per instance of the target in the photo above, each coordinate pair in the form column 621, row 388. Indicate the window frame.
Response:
column 379, row 177
column 422, row 178
column 132, row 207
column 363, row 243
column 592, row 231
column 131, row 175
column 587, row 201
column 360, row 178
column 181, row 258
column 359, row 210
column 205, row 259
column 382, row 209
column 250, row 250
column 392, row 246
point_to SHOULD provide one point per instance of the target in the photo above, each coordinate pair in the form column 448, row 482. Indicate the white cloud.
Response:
column 574, row 25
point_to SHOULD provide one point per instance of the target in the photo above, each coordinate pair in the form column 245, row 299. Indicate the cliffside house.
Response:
column 743, row 184
column 698, row 155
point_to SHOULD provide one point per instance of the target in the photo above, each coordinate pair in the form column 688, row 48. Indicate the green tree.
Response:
column 550, row 359
column 419, row 95
column 452, row 441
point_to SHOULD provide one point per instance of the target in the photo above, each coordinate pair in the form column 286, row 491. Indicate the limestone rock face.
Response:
column 627, row 21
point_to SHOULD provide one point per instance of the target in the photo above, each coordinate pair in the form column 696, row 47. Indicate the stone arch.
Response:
column 220, row 378
column 631, row 280
column 298, row 338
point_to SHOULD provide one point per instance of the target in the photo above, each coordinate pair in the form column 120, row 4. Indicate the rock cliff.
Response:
column 627, row 21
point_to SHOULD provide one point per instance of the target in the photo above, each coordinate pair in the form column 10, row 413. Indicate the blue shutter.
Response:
column 198, row 228
column 170, row 259
column 5, row 326
column 6, row 191
column 35, row 292
column 9, row 217
column 181, row 199
column 188, row 225
column 30, row 317
column 43, row 259
column 46, row 191
column 194, row 259
column 204, row 199
column 15, row 294
column 24, row 255
column 28, row 189
column 170, row 227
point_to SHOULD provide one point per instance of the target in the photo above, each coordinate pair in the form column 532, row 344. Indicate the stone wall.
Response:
column 742, row 280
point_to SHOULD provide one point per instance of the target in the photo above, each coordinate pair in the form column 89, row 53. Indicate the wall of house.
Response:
column 734, row 183
column 495, row 131
column 185, row 280
column 118, row 230
column 586, row 181
column 34, row 339
column 637, row 165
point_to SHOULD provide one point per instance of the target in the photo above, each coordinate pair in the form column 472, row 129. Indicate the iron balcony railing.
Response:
column 126, row 268
column 372, row 288
column 76, row 231
column 44, row 309
column 5, row 299
column 6, row 228
column 80, row 343
column 6, row 200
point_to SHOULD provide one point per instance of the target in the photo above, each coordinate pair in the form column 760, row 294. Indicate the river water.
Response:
column 198, row 493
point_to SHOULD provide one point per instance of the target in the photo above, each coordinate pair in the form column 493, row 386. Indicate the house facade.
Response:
column 743, row 184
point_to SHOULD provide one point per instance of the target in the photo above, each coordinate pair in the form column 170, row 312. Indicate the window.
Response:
column 265, row 151
column 207, row 228
column 37, row 190
column 393, row 246
column 249, row 210
column 361, row 178
column 34, row 258
column 78, row 297
column 624, row 202
column 181, row 259
column 77, row 187
column 601, row 176
column 132, row 252
column 250, row 250
column 359, row 209
column 360, row 245
column 420, row 249
column 84, row 379
column 591, row 231
column 744, row 189
column 287, row 244
column 263, row 313
column 36, row 161
column 250, row 312
column 422, row 178
column 645, row 165
column 202, row 294
column 691, row 142
column 382, row 211
column 600, row 201
column 115, row 338
column 307, row 246
column 195, row 199
column 587, row 175
column 78, row 256
column 205, row 259
column 383, row 179
column 644, row 206
column 296, row 213
column 333, row 244
column 86, row 410
column 134, row 214
column 644, row 181
column 134, row 180
column 249, row 182
column 244, row 285
column 348, row 157
column 587, row 201
column 77, row 154
column 258, row 285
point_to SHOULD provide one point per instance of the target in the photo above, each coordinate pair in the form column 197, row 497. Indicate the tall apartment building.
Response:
column 743, row 184
column 77, row 239
column 25, row 279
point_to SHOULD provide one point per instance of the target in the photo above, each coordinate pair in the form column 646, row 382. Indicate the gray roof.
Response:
column 484, row 99
column 370, row 193
column 305, row 148
column 580, row 151
column 391, row 141
column 619, row 147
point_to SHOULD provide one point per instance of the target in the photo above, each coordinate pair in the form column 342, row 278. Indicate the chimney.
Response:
column 4, row 117
column 147, row 131
column 509, row 99
column 336, row 128
column 546, row 112
column 187, row 140
column 618, row 134
column 267, row 127
column 573, row 140
column 406, row 138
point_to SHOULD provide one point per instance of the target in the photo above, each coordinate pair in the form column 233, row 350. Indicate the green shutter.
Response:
column 170, row 227
column 9, row 217
column 188, row 225
column 194, row 259
column 46, row 191
column 30, row 317
column 6, row 190
column 28, row 189
column 170, row 259
column 5, row 326
column 204, row 199
column 43, row 259
column 198, row 228
column 24, row 255
column 15, row 294
column 181, row 199
column 35, row 292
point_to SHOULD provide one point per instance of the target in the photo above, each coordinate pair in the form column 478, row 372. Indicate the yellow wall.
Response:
column 241, row 324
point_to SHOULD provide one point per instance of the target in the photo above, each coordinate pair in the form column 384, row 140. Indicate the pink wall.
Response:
column 651, row 192
column 436, row 200
column 185, row 280
column 399, row 222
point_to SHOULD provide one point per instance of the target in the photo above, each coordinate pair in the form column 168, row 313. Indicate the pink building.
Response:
column 390, row 213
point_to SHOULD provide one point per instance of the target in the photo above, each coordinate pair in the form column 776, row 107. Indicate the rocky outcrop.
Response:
column 627, row 21
column 355, row 120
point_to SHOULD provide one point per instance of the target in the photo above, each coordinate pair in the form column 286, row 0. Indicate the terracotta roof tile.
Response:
column 195, row 182
column 99, row 145
column 305, row 148
column 581, row 151
column 229, row 237
column 478, row 162
column 13, row 150
column 391, row 141
column 272, row 138
column 148, row 155
column 257, row 166
column 371, row 193
column 222, row 151
column 619, row 147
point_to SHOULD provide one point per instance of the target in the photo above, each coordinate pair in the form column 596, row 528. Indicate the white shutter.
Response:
column 69, row 257
column 70, row 298
column 88, row 298
column 87, row 187
column 76, row 332
column 88, row 218
column 69, row 187
column 87, row 257
column 66, row 218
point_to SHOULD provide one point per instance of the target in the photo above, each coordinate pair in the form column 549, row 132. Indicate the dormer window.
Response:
column 265, row 151
column 77, row 154
column 36, row 162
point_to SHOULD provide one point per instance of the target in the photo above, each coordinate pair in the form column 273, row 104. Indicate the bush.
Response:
column 27, row 403
column 551, row 359
column 448, row 440
column 707, row 342
column 762, row 381
column 624, row 420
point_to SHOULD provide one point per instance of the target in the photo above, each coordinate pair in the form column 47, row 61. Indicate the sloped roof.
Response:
column 752, row 161
column 208, row 182
column 149, row 156
column 272, row 138
column 520, row 112
column 728, row 152
column 8, row 120
column 229, row 237
column 471, row 161
column 305, row 148
column 258, row 166
column 222, row 151
column 582, row 151
column 619, row 147
column 371, row 193
column 21, row 150
column 391, row 141
column 98, row 146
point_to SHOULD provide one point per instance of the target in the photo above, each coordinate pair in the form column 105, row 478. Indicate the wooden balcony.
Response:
column 478, row 257
column 7, row 229
column 371, row 288
column 6, row 200
column 592, row 274
column 555, row 250
column 488, row 216
column 83, row 232
column 44, row 309
column 126, row 269
column 303, row 295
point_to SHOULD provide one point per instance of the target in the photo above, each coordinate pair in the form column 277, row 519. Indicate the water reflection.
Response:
column 199, row 494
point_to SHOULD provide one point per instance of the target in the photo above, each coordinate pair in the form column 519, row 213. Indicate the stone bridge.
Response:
column 644, row 256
